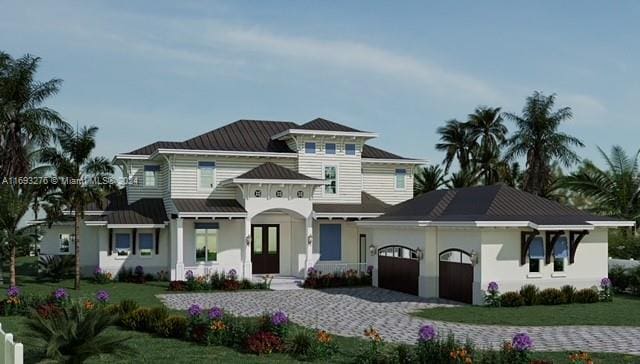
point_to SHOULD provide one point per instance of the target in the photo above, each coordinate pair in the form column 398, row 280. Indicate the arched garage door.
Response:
column 456, row 276
column 398, row 269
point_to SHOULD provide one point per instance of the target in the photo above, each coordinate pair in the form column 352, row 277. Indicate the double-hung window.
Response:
column 206, row 242
column 146, row 244
column 310, row 148
column 65, row 242
column 536, row 254
column 123, row 244
column 560, row 254
column 330, row 180
column 206, row 175
column 401, row 178
column 350, row 149
column 151, row 176
column 330, row 148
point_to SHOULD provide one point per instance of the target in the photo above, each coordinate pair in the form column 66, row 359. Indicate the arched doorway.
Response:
column 398, row 269
column 456, row 276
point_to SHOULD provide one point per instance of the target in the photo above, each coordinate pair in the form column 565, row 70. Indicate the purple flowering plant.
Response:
column 102, row 296
column 522, row 342
column 138, row 270
column 427, row 333
column 492, row 296
column 278, row 323
column 13, row 292
column 606, row 290
column 97, row 271
column 60, row 294
column 233, row 274
column 369, row 269
column 311, row 271
column 216, row 313
column 189, row 275
column 279, row 318
column 194, row 311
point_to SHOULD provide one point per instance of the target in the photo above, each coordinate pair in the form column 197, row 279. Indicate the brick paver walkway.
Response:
column 348, row 311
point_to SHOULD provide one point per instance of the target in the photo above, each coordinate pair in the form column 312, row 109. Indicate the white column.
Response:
column 309, row 243
column 246, row 243
column 179, row 248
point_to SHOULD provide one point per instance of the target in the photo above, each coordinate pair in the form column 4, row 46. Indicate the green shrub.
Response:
column 239, row 329
column 174, row 327
column 634, row 280
column 300, row 344
column 529, row 294
column 55, row 267
column 551, row 296
column 586, row 295
column 439, row 350
column 511, row 299
column 620, row 278
column 138, row 319
column 157, row 317
column 568, row 291
column 127, row 306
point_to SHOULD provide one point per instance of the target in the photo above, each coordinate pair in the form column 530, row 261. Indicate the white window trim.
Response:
column 72, row 240
column 115, row 247
column 355, row 149
column 156, row 174
column 395, row 179
column 206, row 249
column 335, row 150
column 324, row 193
column 215, row 175
column 153, row 240
column 315, row 148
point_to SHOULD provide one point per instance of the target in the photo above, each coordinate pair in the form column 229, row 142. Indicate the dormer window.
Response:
column 330, row 148
column 350, row 149
column 151, row 175
column 310, row 148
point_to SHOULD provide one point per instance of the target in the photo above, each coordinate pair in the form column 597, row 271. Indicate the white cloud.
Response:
column 587, row 110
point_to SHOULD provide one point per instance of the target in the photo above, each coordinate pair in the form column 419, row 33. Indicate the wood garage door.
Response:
column 398, row 269
column 456, row 276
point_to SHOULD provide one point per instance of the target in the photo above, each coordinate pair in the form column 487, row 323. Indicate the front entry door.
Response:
column 265, row 249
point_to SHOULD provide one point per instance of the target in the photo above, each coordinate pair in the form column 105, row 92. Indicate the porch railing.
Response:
column 10, row 351
column 340, row 267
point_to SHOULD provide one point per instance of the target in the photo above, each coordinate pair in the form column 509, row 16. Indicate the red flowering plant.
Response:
column 264, row 342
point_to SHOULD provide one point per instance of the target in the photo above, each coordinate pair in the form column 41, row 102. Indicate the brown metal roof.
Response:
column 488, row 203
column 207, row 205
column 116, row 210
column 369, row 205
column 255, row 136
column 271, row 170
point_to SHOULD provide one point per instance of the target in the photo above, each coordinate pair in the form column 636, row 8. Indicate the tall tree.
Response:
column 614, row 191
column 464, row 178
column 24, row 121
column 428, row 179
column 457, row 143
column 73, row 163
column 486, row 128
column 14, row 202
column 538, row 140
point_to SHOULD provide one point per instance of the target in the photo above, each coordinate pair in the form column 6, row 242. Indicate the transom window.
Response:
column 330, row 148
column 330, row 180
column 455, row 256
column 65, row 242
column 401, row 177
column 396, row 251
column 206, row 175
column 151, row 176
column 350, row 149
column 310, row 148
column 206, row 242
column 123, row 244
column 146, row 244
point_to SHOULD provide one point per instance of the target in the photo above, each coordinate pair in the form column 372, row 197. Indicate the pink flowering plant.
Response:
column 492, row 295
column 606, row 290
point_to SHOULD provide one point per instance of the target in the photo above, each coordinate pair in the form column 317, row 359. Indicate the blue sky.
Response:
column 152, row 70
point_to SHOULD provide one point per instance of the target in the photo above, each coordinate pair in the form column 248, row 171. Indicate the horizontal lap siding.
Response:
column 136, row 190
column 184, row 177
column 379, row 180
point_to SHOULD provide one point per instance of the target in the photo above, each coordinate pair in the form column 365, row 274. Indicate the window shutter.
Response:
column 133, row 241
column 157, row 241
column 330, row 242
column 110, row 248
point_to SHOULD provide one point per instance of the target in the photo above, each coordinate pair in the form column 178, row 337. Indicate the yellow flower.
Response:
column 324, row 337
column 468, row 361
column 88, row 305
column 217, row 325
column 13, row 300
column 373, row 334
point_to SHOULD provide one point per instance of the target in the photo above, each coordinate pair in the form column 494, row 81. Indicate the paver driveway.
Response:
column 348, row 311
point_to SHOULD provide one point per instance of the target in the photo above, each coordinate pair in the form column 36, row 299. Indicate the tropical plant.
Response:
column 428, row 179
column 486, row 128
column 457, row 143
column 76, row 334
column 14, row 203
column 463, row 178
column 538, row 140
column 55, row 267
column 83, row 179
column 510, row 173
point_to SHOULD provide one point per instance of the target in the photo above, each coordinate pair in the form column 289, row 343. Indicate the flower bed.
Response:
column 218, row 281
column 530, row 295
column 349, row 278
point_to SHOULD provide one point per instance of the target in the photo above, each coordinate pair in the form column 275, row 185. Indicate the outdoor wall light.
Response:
column 474, row 257
column 419, row 253
column 247, row 240
column 372, row 250
column 310, row 239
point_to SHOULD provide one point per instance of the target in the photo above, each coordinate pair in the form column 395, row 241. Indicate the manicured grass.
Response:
column 623, row 311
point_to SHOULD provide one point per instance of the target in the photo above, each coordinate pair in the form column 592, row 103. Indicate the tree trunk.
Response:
column 12, row 264
column 76, row 284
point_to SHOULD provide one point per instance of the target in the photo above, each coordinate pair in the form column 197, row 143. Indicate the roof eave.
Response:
column 356, row 134
column 267, row 181
column 395, row 161
column 231, row 153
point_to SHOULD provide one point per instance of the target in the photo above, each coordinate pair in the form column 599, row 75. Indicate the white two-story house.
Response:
column 260, row 197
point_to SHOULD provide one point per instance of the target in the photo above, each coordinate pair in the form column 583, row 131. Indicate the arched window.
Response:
column 398, row 251
column 455, row 256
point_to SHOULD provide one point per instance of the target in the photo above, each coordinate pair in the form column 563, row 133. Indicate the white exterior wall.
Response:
column 349, row 242
column 379, row 180
column 50, row 244
column 230, row 245
column 151, row 264
column 500, row 262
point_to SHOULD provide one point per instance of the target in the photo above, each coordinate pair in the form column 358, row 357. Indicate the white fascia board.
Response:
column 355, row 134
column 135, row 226
column 254, row 181
column 95, row 223
column 562, row 227
column 213, row 215
column 131, row 156
column 390, row 223
column 338, row 215
column 612, row 223
column 395, row 161
column 228, row 153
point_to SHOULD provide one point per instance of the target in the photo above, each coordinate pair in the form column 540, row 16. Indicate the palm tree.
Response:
column 614, row 191
column 72, row 161
column 76, row 334
column 539, row 141
column 485, row 127
column 428, row 179
column 510, row 173
column 463, row 178
column 457, row 143
column 24, row 122
column 14, row 203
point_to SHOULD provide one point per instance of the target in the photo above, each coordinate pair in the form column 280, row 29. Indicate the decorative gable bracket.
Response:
column 551, row 239
column 575, row 237
column 526, row 237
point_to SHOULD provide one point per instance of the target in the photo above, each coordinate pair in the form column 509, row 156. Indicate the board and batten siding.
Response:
column 348, row 172
column 379, row 180
column 137, row 190
column 184, row 176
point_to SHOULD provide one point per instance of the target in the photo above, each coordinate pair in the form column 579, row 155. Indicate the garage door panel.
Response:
column 398, row 269
column 456, row 279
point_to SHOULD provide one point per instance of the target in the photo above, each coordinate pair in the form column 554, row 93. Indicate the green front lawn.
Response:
column 623, row 311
